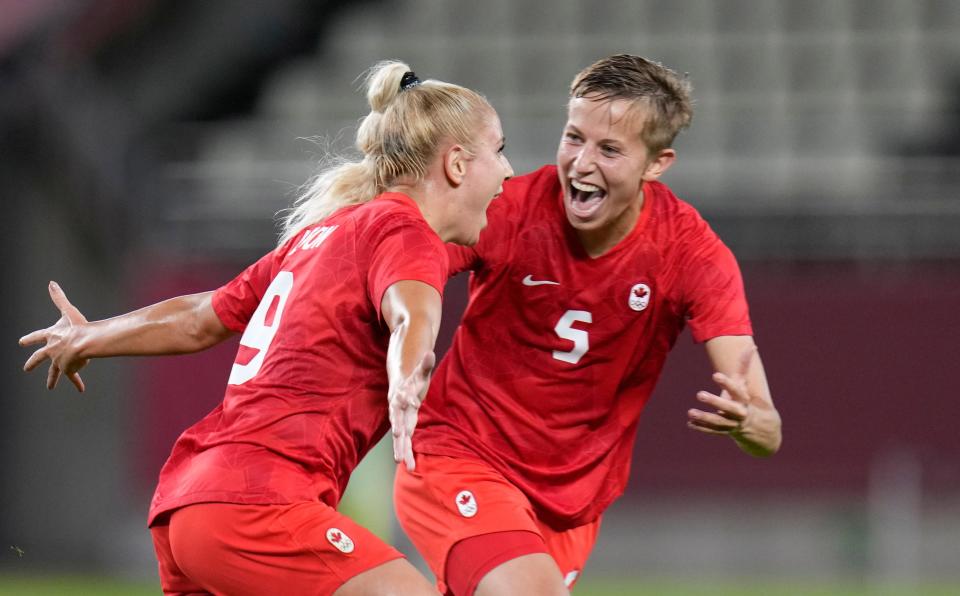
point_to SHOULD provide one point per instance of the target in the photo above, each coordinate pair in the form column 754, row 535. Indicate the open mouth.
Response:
column 585, row 199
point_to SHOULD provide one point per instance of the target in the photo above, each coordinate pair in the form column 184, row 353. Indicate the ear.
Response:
column 455, row 164
column 659, row 164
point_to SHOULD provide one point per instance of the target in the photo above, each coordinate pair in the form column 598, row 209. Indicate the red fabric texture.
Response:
column 222, row 548
column 558, row 352
column 306, row 395
column 434, row 508
column 472, row 558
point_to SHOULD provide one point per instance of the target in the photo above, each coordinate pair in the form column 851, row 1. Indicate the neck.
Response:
column 600, row 241
column 429, row 200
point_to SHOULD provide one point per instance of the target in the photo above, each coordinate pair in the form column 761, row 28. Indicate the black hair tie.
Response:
column 409, row 80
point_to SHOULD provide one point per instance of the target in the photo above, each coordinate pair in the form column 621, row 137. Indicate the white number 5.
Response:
column 258, row 334
column 579, row 337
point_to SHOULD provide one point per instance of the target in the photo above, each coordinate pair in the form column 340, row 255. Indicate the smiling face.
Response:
column 486, row 170
column 602, row 163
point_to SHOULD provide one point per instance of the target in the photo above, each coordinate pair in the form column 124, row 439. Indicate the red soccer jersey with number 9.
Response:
column 558, row 352
column 306, row 397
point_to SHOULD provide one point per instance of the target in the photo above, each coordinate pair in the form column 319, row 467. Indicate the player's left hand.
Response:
column 732, row 413
column 60, row 341
column 404, row 405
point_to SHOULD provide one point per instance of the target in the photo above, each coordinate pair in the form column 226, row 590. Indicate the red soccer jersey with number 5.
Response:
column 558, row 352
column 306, row 397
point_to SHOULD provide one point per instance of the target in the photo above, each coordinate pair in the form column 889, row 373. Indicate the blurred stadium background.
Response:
column 146, row 145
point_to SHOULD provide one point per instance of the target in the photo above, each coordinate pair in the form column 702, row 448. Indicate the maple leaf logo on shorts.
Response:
column 339, row 540
column 466, row 503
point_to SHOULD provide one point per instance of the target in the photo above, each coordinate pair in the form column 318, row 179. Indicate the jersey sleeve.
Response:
column 406, row 249
column 462, row 258
column 712, row 287
column 236, row 301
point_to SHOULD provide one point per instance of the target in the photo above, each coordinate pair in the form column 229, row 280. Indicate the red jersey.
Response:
column 558, row 352
column 307, row 394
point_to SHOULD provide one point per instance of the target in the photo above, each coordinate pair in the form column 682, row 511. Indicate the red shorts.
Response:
column 303, row 548
column 447, row 500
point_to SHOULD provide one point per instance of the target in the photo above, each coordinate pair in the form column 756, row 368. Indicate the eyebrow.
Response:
column 600, row 142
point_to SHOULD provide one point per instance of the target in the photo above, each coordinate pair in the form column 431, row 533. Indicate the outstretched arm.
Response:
column 176, row 326
column 412, row 311
column 744, row 408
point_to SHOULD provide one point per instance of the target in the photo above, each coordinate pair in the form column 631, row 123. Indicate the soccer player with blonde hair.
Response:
column 338, row 324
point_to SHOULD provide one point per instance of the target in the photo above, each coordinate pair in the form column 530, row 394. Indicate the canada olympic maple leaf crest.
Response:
column 639, row 297
column 466, row 503
column 340, row 540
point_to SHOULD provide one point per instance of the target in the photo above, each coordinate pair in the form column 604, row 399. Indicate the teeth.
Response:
column 584, row 186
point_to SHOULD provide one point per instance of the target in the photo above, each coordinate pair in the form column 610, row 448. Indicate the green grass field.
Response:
column 92, row 586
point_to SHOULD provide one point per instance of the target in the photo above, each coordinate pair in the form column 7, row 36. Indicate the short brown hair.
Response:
column 665, row 93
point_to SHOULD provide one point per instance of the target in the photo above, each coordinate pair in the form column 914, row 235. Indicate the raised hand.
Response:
column 60, row 342
column 731, row 409
column 404, row 405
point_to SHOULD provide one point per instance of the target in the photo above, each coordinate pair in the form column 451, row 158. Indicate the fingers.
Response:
column 733, row 410
column 53, row 375
column 706, row 430
column 397, row 434
column 34, row 337
column 404, row 407
column 729, row 415
column 410, row 424
column 403, row 439
column 735, row 387
column 397, row 448
column 731, row 407
column 403, row 451
column 712, row 423
column 404, row 410
column 35, row 360
column 58, row 297
column 60, row 301
column 408, row 454
column 77, row 381
column 398, row 430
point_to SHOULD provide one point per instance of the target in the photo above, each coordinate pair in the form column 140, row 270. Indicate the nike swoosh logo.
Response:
column 529, row 281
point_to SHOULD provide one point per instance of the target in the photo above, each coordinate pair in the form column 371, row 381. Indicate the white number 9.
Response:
column 258, row 335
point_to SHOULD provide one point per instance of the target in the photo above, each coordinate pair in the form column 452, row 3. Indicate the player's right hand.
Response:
column 60, row 342
column 404, row 406
column 732, row 411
